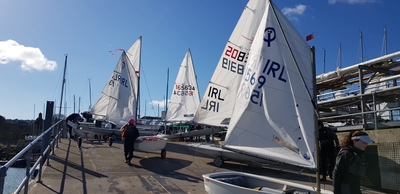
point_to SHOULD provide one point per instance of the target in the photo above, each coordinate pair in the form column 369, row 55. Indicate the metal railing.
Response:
column 49, row 140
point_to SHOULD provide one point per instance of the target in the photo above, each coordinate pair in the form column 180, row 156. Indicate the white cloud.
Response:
column 156, row 103
column 31, row 58
column 353, row 1
column 291, row 12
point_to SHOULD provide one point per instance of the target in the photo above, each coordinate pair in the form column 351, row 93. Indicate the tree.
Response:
column 2, row 119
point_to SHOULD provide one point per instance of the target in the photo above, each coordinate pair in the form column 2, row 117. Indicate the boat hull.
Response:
column 245, row 183
column 220, row 155
column 150, row 143
column 194, row 133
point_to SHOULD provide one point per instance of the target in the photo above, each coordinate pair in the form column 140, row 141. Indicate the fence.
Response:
column 49, row 140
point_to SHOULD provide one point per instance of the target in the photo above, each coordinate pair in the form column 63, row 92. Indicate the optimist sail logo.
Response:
column 269, row 35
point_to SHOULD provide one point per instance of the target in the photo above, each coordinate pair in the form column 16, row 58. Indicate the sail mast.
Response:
column 90, row 96
column 166, row 99
column 324, row 59
column 62, row 85
column 362, row 47
column 138, row 86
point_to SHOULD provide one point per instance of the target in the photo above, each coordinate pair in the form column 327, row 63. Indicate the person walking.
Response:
column 129, row 134
column 74, row 118
column 327, row 141
column 350, row 163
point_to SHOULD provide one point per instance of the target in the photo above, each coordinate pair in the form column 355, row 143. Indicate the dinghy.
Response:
column 274, row 115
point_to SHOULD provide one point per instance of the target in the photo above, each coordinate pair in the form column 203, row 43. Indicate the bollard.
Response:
column 79, row 142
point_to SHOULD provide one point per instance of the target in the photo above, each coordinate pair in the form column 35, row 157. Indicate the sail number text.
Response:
column 184, row 90
column 271, row 69
column 233, row 65
column 118, row 78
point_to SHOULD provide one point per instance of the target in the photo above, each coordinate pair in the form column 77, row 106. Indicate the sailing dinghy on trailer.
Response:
column 218, row 102
column 274, row 115
column 184, row 101
column 119, row 100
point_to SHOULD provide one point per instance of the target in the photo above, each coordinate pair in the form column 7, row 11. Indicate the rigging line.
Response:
column 147, row 86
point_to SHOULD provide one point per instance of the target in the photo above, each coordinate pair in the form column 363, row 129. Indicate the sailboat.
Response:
column 185, row 100
column 274, row 114
column 185, row 96
column 218, row 102
column 118, row 102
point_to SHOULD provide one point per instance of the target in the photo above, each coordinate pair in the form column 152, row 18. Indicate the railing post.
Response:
column 28, row 168
column 58, row 135
column 3, row 174
column 48, row 136
column 79, row 141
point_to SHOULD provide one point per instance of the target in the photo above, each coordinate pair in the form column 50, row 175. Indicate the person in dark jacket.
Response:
column 129, row 133
column 350, row 163
column 75, row 118
column 327, row 141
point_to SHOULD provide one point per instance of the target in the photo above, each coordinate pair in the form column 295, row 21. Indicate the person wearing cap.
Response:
column 350, row 163
column 130, row 133
column 328, row 140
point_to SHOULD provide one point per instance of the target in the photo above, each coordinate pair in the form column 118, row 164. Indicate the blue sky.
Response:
column 36, row 35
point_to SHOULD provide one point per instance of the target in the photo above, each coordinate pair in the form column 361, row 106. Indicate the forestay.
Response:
column 219, row 98
column 273, row 117
column 185, row 96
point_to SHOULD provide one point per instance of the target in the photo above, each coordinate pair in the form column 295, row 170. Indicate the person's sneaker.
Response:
column 126, row 161
column 330, row 176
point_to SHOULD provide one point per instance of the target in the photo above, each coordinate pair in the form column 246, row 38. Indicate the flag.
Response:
column 114, row 51
column 310, row 37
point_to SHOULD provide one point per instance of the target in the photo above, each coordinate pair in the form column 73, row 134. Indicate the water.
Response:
column 13, row 179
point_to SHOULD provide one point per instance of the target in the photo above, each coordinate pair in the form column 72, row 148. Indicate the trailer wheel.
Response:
column 218, row 161
column 163, row 154
column 113, row 136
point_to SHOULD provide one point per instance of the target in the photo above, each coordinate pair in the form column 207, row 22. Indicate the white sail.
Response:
column 134, row 54
column 185, row 96
column 118, row 100
column 273, row 117
column 219, row 98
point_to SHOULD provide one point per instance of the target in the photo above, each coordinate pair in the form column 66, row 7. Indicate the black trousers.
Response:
column 128, row 149
column 328, row 155
column 70, row 132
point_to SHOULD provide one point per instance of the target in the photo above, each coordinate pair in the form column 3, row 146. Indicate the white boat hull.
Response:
column 245, row 183
column 220, row 155
column 194, row 133
column 150, row 143
column 101, row 131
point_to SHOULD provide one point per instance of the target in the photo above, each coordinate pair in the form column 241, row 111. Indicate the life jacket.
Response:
column 130, row 132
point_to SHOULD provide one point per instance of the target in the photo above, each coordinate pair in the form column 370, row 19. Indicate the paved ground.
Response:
column 98, row 168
